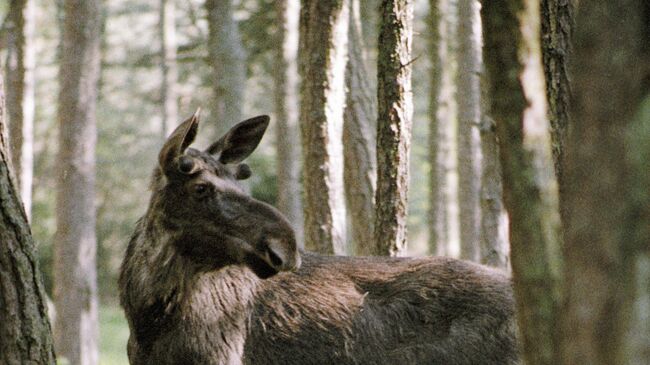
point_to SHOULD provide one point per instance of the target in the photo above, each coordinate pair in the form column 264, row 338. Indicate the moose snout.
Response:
column 281, row 253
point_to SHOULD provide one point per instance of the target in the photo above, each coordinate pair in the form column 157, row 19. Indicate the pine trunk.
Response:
column 395, row 112
column 169, row 68
column 323, row 48
column 360, row 172
column 75, row 292
column 513, row 59
column 21, row 61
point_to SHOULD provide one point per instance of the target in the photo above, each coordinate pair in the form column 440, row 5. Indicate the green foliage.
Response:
column 113, row 334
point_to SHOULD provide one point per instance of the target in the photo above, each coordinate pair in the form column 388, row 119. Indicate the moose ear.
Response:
column 181, row 138
column 240, row 141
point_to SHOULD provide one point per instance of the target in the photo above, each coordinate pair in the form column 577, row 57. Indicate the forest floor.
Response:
column 113, row 335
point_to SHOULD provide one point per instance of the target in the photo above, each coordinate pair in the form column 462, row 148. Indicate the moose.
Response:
column 214, row 276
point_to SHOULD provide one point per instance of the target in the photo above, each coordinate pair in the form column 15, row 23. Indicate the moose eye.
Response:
column 201, row 190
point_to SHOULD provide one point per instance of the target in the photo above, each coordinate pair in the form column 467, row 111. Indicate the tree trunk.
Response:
column 395, row 106
column 228, row 62
column 607, row 251
column 323, row 48
column 25, row 333
column 168, row 90
column 75, row 292
column 513, row 59
column 358, row 140
column 469, row 119
column 21, row 60
column 287, row 109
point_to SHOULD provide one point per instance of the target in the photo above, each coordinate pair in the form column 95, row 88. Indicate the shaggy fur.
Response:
column 213, row 278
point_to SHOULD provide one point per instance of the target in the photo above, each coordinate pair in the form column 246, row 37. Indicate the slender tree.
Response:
column 21, row 60
column 227, row 59
column 469, row 119
column 287, row 110
column 25, row 333
column 169, row 68
column 360, row 172
column 75, row 292
column 513, row 59
column 395, row 106
column 323, row 48
column 607, row 247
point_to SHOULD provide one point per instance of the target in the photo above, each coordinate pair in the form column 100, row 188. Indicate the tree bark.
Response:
column 75, row 292
column 607, row 251
column 469, row 119
column 169, row 68
column 21, row 60
column 287, row 109
column 360, row 172
column 323, row 48
column 395, row 106
column 228, row 63
column 514, row 64
column 25, row 333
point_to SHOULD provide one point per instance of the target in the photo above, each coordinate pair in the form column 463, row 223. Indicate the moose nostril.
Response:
column 274, row 258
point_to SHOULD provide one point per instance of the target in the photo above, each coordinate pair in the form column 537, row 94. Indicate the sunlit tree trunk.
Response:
column 287, row 109
column 358, row 140
column 514, row 63
column 20, row 94
column 395, row 112
column 469, row 119
column 75, row 292
column 323, row 48
column 227, row 58
column 168, row 90
column 607, row 248
column 25, row 334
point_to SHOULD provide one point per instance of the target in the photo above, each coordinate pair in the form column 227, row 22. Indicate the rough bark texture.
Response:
column 287, row 85
column 395, row 106
column 228, row 62
column 25, row 333
column 469, row 119
column 323, row 48
column 75, row 292
column 359, row 154
column 168, row 90
column 607, row 248
column 513, row 60
column 21, row 60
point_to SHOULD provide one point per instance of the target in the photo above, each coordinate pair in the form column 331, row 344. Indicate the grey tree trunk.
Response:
column 395, row 112
column 469, row 119
column 513, row 59
column 287, row 110
column 169, row 68
column 323, row 48
column 25, row 333
column 607, row 247
column 75, row 291
column 21, row 61
column 359, row 151
column 228, row 63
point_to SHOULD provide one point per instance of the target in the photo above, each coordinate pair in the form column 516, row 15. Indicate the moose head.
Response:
column 213, row 220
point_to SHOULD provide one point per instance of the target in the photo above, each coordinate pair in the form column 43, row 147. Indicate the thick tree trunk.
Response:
column 395, row 106
column 514, row 64
column 25, row 334
column 168, row 89
column 607, row 247
column 228, row 62
column 469, row 119
column 358, row 141
column 75, row 292
column 287, row 109
column 323, row 48
column 21, row 60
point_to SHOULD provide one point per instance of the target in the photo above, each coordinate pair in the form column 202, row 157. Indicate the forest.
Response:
column 509, row 134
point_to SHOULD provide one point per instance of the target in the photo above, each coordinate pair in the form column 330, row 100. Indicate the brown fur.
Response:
column 215, row 278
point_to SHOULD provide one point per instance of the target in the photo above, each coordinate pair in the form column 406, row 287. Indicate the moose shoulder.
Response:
column 213, row 276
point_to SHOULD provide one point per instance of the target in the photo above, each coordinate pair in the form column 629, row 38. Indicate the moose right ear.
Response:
column 181, row 138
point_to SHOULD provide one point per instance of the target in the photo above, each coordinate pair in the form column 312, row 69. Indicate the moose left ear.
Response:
column 240, row 141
